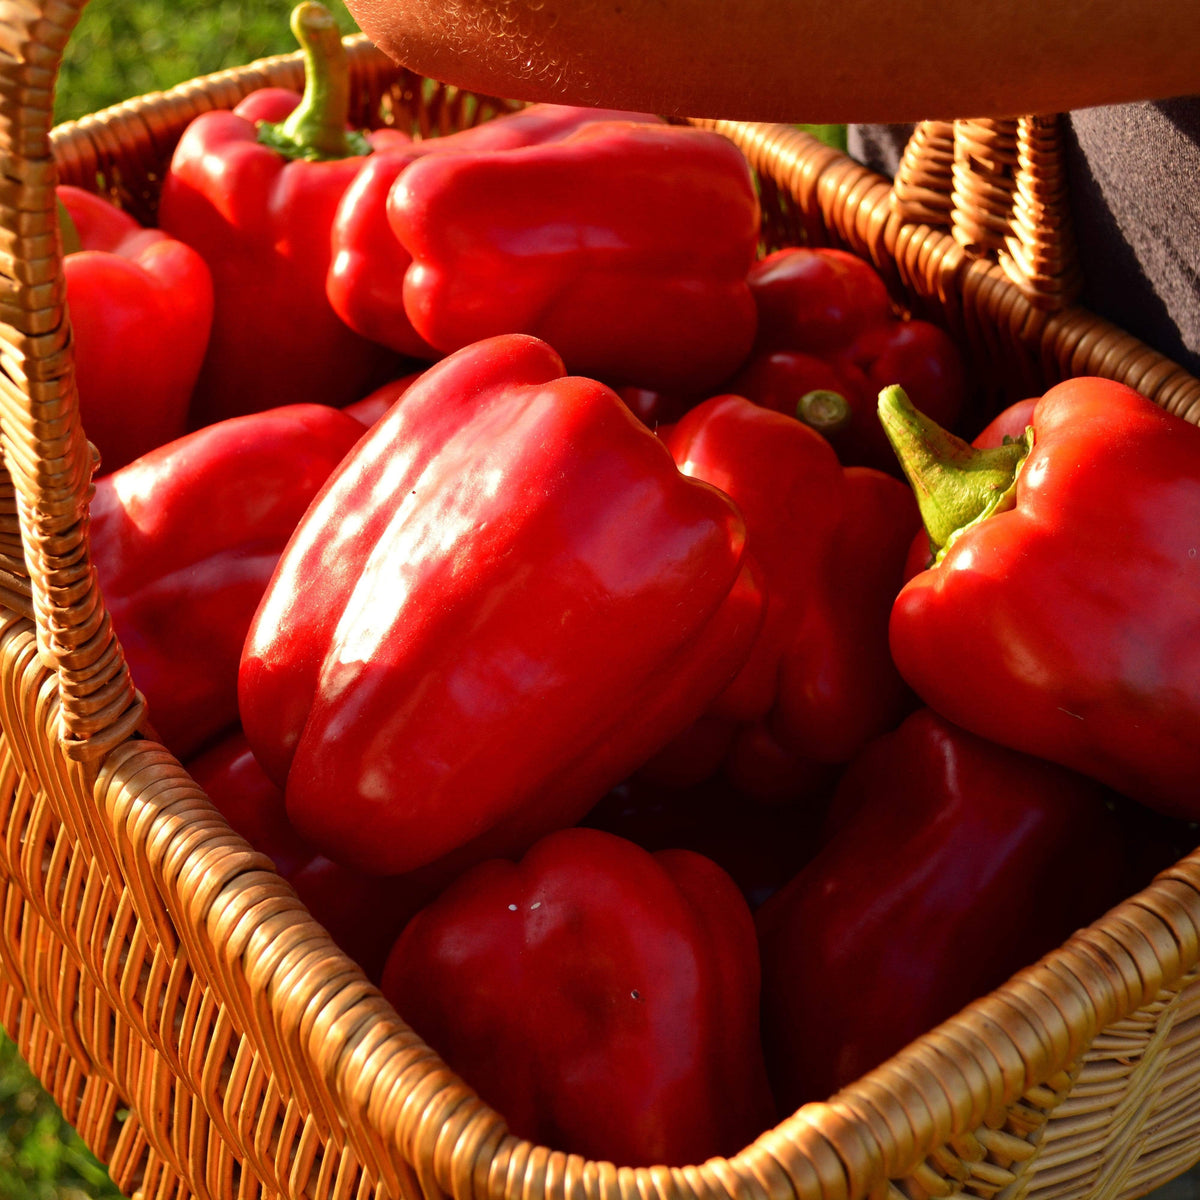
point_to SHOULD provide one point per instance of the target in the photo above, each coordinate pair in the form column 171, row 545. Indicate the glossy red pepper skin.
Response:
column 831, row 542
column 603, row 999
column 788, row 485
column 816, row 301
column 141, row 308
column 546, row 240
column 502, row 603
column 1068, row 625
column 839, row 687
column 370, row 408
column 365, row 284
column 363, row 914
column 951, row 863
column 825, row 322
column 185, row 539
column 262, row 223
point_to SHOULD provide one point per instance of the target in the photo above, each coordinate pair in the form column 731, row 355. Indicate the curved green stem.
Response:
column 826, row 411
column 315, row 130
column 956, row 484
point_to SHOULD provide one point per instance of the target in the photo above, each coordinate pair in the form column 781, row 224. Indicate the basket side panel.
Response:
column 158, row 1075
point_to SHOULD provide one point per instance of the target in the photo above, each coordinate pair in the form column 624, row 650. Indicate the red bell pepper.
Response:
column 816, row 300
column 825, row 324
column 504, row 601
column 831, row 542
column 604, row 1000
column 363, row 914
column 257, row 201
column 951, row 862
column 141, row 308
column 365, row 284
column 185, row 539
column 625, row 246
column 1062, row 615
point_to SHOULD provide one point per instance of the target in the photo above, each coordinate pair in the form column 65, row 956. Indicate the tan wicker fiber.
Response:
column 205, row 1035
column 1000, row 188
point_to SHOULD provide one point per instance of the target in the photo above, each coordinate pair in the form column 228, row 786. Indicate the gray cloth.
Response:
column 1134, row 179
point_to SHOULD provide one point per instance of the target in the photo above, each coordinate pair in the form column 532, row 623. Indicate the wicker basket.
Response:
column 202, row 1031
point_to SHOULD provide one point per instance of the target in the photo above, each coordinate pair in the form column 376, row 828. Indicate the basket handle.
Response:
column 1000, row 187
column 48, row 459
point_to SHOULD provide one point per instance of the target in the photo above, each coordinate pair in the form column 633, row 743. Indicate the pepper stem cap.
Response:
column 828, row 412
column 315, row 130
column 957, row 485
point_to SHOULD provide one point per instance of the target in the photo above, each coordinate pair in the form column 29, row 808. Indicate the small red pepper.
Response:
column 257, row 201
column 950, row 863
column 504, row 600
column 1062, row 614
column 625, row 246
column 604, row 1000
column 831, row 542
column 825, row 324
column 365, row 284
column 185, row 539
column 816, row 301
column 141, row 308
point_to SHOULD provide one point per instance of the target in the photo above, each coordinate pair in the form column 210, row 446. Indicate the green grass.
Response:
column 831, row 135
column 41, row 1156
column 124, row 48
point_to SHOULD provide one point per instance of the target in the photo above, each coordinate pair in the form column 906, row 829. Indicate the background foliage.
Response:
column 124, row 48
column 41, row 1156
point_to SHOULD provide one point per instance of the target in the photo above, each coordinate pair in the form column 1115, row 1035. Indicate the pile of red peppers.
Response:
column 645, row 655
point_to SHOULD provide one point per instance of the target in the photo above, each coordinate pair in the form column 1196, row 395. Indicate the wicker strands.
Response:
column 1000, row 188
column 203, row 1032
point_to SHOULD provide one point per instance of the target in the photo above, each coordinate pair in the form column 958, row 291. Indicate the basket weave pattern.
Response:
column 1000, row 187
column 203, row 1032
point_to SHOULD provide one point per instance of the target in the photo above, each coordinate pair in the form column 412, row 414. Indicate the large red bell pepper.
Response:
column 257, row 200
column 185, row 539
column 825, row 324
column 506, row 598
column 831, row 542
column 365, row 284
column 141, row 308
column 603, row 999
column 625, row 246
column 951, row 863
column 1062, row 615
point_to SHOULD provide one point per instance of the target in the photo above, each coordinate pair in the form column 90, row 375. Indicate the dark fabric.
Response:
column 1134, row 177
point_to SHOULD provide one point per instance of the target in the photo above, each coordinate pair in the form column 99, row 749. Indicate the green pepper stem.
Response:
column 956, row 484
column 68, row 232
column 315, row 130
column 826, row 411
